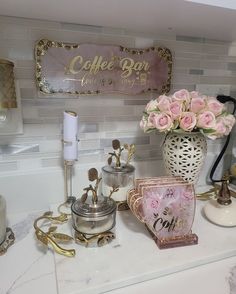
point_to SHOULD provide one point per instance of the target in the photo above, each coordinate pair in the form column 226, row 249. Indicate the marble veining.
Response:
column 18, row 283
column 26, row 265
column 22, row 228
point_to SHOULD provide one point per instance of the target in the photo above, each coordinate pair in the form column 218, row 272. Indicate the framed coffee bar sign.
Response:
column 93, row 69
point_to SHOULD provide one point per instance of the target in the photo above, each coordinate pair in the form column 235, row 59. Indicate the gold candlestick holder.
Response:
column 68, row 187
column 68, row 172
column 65, row 207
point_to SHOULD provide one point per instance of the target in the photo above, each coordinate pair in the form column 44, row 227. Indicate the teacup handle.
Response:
column 137, row 209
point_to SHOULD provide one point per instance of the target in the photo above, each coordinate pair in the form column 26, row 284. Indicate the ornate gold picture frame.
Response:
column 99, row 69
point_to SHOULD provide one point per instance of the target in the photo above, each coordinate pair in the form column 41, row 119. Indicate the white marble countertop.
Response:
column 26, row 267
column 29, row 268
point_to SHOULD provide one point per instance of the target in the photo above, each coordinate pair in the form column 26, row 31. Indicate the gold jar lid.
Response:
column 5, row 61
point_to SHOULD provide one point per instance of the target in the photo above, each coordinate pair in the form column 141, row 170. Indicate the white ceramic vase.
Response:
column 184, row 154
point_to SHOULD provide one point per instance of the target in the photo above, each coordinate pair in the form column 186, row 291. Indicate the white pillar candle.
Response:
column 2, row 219
column 70, row 136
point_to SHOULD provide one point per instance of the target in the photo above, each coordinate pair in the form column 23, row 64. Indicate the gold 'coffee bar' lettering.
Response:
column 93, row 66
column 98, row 63
column 95, row 69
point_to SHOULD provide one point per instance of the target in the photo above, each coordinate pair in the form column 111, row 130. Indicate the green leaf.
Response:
column 180, row 131
column 224, row 113
column 150, row 130
column 208, row 131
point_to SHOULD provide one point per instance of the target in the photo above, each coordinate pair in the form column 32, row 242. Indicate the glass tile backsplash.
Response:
column 102, row 117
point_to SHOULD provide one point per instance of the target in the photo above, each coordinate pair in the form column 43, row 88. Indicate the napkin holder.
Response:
column 166, row 205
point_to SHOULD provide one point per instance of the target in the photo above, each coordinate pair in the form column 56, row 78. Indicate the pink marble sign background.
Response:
column 169, row 210
column 58, row 77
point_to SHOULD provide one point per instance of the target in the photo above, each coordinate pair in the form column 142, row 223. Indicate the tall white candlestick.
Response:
column 2, row 219
column 70, row 136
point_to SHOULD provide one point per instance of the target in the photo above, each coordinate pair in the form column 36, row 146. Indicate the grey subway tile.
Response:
column 196, row 72
column 134, row 140
column 231, row 66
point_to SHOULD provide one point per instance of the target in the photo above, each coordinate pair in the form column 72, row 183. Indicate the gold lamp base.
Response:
column 221, row 215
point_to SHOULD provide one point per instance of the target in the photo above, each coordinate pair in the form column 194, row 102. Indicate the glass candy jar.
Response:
column 94, row 220
column 119, row 178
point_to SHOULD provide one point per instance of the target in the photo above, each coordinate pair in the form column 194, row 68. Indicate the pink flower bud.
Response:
column 188, row 121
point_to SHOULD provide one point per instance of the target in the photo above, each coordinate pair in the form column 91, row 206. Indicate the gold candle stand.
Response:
column 97, row 239
column 69, row 198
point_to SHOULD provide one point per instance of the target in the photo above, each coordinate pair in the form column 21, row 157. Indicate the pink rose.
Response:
column 229, row 121
column 162, row 121
column 175, row 109
column 146, row 125
column 197, row 104
column 182, row 95
column 152, row 202
column 161, row 97
column 151, row 106
column 206, row 120
column 223, row 126
column 220, row 129
column 195, row 94
column 151, row 120
column 215, row 106
column 188, row 121
column 188, row 195
column 163, row 103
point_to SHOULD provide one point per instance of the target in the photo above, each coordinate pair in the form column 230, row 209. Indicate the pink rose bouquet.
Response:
column 186, row 111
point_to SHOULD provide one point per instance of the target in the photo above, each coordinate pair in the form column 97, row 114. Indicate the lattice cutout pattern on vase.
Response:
column 184, row 155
